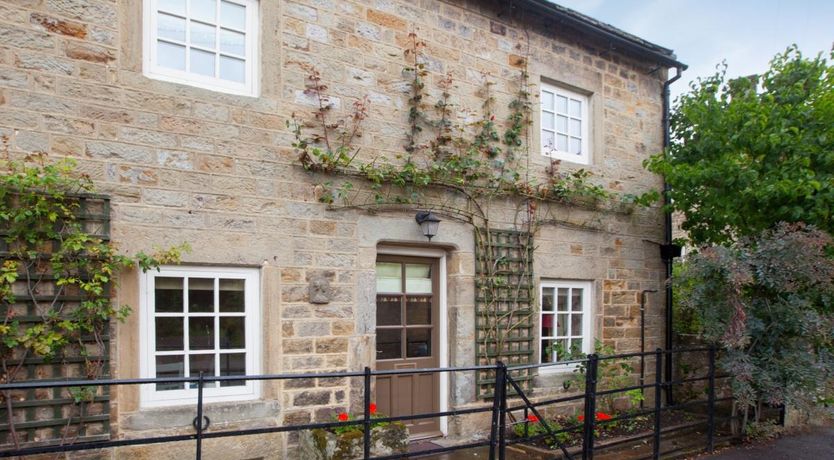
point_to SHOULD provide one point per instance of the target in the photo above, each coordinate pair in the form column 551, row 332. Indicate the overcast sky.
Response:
column 747, row 33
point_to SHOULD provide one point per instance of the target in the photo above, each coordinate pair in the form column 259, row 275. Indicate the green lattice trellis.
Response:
column 43, row 415
column 504, row 304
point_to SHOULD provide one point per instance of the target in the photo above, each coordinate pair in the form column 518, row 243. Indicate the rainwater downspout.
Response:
column 668, row 251
column 643, row 342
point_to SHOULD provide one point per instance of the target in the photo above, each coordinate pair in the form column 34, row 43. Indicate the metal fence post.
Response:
column 496, row 409
column 502, row 413
column 590, row 407
column 366, row 422
column 200, row 417
column 658, row 389
column 711, row 401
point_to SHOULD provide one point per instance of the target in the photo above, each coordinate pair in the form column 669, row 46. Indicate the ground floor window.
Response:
column 198, row 319
column 565, row 319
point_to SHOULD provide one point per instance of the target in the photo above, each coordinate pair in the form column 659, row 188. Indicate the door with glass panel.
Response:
column 407, row 338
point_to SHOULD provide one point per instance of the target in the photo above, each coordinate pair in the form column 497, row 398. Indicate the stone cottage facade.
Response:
column 178, row 111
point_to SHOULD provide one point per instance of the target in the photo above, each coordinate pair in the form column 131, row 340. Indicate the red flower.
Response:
column 373, row 408
column 343, row 417
column 601, row 416
column 532, row 418
column 492, row 118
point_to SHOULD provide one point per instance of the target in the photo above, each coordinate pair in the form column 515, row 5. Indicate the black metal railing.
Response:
column 500, row 409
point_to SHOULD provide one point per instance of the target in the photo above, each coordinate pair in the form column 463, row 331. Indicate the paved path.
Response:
column 817, row 444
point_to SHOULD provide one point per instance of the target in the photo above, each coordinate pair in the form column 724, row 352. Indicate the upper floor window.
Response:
column 207, row 43
column 196, row 320
column 564, row 124
column 565, row 320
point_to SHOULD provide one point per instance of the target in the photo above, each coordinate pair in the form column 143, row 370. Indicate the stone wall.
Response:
column 218, row 170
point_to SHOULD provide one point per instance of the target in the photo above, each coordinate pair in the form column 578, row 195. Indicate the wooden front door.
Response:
column 407, row 338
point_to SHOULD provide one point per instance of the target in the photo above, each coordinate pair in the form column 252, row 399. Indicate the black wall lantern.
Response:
column 428, row 223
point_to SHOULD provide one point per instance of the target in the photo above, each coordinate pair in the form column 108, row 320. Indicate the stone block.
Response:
column 89, row 52
column 58, row 25
column 44, row 63
column 20, row 38
column 311, row 398
column 387, row 20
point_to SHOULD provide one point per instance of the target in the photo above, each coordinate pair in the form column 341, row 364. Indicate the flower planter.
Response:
column 321, row 444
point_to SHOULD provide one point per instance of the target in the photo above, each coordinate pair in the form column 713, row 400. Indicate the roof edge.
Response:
column 625, row 40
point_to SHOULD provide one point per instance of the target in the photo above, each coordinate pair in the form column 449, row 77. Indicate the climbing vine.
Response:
column 480, row 167
column 57, row 272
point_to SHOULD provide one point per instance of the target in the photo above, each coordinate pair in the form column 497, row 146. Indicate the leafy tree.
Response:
column 767, row 301
column 750, row 152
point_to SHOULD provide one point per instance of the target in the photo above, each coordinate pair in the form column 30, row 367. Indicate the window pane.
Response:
column 232, row 69
column 388, row 311
column 576, row 325
column 576, row 300
column 170, row 27
column 575, row 127
column 575, row 108
column 388, row 343
column 201, row 333
column 232, row 42
column 547, row 299
column 233, row 364
column 170, row 366
column 562, row 124
column 232, row 332
column 562, row 300
column 232, row 15
column 202, row 62
column 548, row 140
column 418, row 310
column 388, row 277
column 561, row 350
column 203, row 36
column 418, row 279
column 172, row 6
column 418, row 343
column 575, row 146
column 547, row 351
column 562, row 143
column 204, row 10
column 169, row 334
column 562, row 104
column 204, row 364
column 548, row 119
column 168, row 294
column 547, row 325
column 232, row 297
column 547, row 100
column 201, row 295
column 170, row 56
column 562, row 325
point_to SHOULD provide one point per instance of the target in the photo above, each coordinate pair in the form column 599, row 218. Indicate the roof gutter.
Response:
column 622, row 40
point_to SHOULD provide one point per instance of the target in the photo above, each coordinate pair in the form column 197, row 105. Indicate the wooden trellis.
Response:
column 504, row 304
column 57, row 415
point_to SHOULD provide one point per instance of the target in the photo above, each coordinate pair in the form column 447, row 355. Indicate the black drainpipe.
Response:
column 643, row 342
column 668, row 251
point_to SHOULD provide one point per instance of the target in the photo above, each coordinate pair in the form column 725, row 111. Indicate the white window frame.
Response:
column 587, row 320
column 149, row 395
column 151, row 70
column 552, row 151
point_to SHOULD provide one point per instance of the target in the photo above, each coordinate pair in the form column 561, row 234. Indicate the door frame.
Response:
column 443, row 323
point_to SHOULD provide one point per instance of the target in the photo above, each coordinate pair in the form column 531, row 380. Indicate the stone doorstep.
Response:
column 637, row 446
